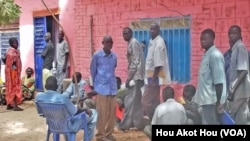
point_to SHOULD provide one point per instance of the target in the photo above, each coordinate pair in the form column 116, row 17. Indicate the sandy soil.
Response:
column 28, row 126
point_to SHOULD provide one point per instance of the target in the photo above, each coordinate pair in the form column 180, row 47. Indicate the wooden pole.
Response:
column 70, row 51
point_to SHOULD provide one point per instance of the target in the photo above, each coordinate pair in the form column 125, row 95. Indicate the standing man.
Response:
column 157, row 71
column 48, row 57
column 62, row 64
column 239, row 83
column 211, row 89
column 102, row 70
column 133, row 114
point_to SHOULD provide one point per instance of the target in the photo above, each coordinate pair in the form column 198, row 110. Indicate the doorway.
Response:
column 41, row 26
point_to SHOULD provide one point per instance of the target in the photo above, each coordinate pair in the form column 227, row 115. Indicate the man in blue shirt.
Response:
column 70, row 91
column 52, row 96
column 102, row 69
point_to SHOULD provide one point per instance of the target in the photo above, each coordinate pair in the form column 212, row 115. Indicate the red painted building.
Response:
column 87, row 21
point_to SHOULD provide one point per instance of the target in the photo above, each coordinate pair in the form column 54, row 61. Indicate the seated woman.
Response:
column 28, row 84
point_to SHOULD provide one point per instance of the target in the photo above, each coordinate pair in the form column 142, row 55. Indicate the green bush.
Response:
column 9, row 11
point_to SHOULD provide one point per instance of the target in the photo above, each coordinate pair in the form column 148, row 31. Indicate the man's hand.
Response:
column 230, row 95
column 219, row 108
column 127, row 83
column 64, row 68
column 91, row 94
column 153, row 82
column 89, row 112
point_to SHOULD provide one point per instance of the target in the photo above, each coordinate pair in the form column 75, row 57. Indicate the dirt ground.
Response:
column 28, row 126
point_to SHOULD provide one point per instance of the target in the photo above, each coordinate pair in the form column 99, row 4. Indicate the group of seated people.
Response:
column 85, row 101
column 174, row 112
column 67, row 98
column 86, row 91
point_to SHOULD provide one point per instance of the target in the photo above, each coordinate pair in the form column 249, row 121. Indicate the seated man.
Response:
column 169, row 112
column 89, row 97
column 52, row 96
column 70, row 91
column 191, row 107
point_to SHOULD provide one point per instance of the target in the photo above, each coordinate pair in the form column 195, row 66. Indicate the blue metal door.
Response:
column 39, row 30
column 178, row 47
column 142, row 36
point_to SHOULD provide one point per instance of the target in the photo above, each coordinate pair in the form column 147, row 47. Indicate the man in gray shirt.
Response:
column 239, row 80
column 62, row 64
column 211, row 88
column 136, row 71
column 48, row 57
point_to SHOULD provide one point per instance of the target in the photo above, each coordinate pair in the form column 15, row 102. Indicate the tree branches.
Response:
column 9, row 11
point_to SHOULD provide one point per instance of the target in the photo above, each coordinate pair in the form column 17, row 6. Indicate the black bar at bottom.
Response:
column 217, row 132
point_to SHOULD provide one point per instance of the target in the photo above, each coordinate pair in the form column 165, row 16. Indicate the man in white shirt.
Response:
column 157, row 71
column 168, row 113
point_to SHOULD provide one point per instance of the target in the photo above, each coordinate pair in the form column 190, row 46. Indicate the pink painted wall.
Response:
column 67, row 21
column 27, row 28
column 111, row 16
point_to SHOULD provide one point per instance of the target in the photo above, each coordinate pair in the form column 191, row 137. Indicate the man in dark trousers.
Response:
column 133, row 114
column 48, row 57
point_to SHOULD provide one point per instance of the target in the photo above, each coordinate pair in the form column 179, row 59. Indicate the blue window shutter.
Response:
column 142, row 36
column 39, row 30
column 4, row 39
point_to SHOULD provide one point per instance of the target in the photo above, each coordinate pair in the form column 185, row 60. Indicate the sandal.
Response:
column 17, row 109
column 9, row 107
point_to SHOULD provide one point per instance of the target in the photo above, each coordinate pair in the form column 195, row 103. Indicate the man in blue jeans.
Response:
column 52, row 96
